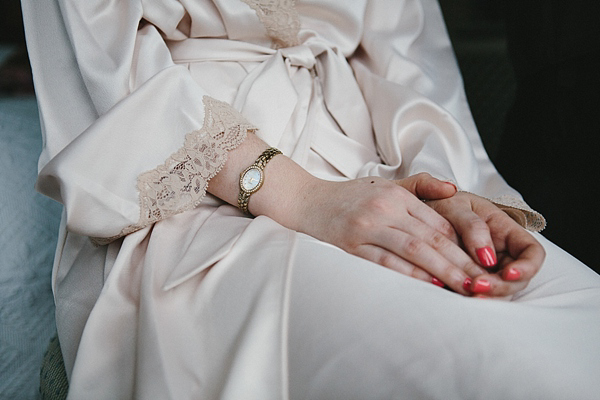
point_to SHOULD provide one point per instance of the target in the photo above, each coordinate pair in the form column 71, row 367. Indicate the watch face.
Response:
column 251, row 179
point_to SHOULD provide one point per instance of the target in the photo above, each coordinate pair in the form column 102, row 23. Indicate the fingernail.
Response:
column 437, row 282
column 482, row 286
column 486, row 256
column 467, row 284
column 512, row 274
column 453, row 185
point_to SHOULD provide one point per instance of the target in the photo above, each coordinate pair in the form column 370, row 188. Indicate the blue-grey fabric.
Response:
column 28, row 230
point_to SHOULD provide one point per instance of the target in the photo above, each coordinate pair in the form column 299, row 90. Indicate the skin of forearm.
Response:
column 283, row 189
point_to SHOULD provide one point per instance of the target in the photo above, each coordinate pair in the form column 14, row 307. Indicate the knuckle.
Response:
column 386, row 259
column 476, row 224
column 438, row 241
column 413, row 247
column 449, row 270
column 416, row 272
column 499, row 217
column 359, row 223
column 378, row 204
column 446, row 229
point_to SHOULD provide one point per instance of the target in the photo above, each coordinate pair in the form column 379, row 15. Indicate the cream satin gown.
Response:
column 163, row 292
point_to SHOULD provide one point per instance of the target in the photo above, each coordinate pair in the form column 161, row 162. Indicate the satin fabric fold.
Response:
column 268, row 86
column 212, row 304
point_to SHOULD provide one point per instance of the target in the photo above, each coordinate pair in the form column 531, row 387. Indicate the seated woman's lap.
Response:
column 281, row 312
column 358, row 329
column 332, row 323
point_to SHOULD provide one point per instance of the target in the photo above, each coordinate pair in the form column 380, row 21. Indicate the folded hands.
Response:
column 458, row 240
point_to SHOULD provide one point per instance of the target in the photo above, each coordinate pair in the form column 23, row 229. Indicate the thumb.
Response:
column 426, row 187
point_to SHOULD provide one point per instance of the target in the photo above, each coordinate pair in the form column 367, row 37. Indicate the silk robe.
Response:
column 163, row 291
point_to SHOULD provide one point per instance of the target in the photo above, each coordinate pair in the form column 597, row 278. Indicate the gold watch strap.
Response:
column 260, row 163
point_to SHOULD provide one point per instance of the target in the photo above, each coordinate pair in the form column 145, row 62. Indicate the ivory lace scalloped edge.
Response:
column 180, row 183
column 280, row 19
column 518, row 210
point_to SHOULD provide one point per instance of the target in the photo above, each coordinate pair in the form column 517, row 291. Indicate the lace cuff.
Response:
column 518, row 210
column 280, row 19
column 180, row 183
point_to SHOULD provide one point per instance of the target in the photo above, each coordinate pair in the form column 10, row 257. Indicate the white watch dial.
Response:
column 251, row 179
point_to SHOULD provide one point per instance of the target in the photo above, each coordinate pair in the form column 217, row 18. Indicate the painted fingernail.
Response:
column 437, row 282
column 482, row 286
column 467, row 284
column 486, row 256
column 512, row 274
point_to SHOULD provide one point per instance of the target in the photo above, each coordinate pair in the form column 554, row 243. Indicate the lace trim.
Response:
column 518, row 210
column 280, row 19
column 180, row 183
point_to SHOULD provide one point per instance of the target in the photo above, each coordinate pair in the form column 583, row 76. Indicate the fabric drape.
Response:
column 202, row 302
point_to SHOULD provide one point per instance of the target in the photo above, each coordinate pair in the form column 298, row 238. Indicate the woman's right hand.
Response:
column 384, row 222
column 487, row 233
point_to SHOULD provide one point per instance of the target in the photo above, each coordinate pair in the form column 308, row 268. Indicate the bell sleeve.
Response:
column 406, row 69
column 129, row 137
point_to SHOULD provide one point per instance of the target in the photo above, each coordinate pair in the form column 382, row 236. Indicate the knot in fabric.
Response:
column 299, row 56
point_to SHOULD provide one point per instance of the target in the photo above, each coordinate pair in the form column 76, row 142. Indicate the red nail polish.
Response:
column 482, row 286
column 486, row 256
column 437, row 282
column 467, row 284
column 512, row 274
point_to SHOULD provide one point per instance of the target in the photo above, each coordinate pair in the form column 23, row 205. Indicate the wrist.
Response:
column 252, row 178
column 308, row 202
column 286, row 193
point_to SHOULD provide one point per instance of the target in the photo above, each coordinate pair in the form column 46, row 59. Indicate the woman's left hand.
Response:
column 495, row 241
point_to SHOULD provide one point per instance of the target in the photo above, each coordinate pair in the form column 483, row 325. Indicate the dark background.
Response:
column 15, row 76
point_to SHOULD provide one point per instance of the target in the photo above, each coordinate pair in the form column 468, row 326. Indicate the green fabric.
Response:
column 53, row 376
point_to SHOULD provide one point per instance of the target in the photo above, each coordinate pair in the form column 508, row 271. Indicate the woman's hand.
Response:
column 385, row 222
column 511, row 255
column 377, row 219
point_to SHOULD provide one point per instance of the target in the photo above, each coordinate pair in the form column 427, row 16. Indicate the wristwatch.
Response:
column 252, row 178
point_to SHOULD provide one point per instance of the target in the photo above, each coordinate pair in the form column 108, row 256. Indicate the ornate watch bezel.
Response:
column 260, row 182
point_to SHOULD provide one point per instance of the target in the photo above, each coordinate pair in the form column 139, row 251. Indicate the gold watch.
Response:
column 252, row 178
